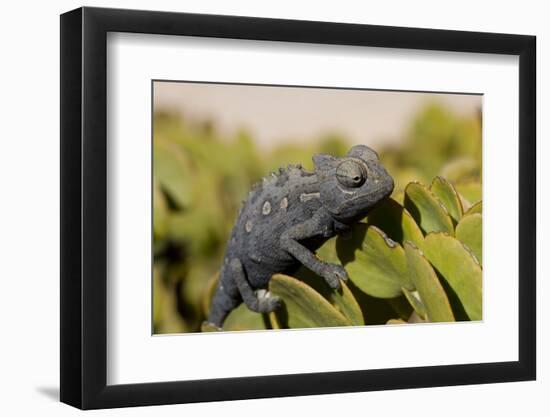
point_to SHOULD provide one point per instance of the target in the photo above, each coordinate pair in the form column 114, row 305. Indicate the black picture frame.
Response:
column 84, row 207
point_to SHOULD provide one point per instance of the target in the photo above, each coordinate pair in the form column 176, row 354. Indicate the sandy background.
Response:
column 284, row 114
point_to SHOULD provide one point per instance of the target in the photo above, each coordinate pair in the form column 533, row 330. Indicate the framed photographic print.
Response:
column 257, row 207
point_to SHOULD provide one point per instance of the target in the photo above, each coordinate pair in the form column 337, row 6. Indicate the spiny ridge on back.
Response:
column 279, row 178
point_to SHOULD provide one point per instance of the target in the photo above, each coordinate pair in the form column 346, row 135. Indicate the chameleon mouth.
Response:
column 373, row 197
column 360, row 205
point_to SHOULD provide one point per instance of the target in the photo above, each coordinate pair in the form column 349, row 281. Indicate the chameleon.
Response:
column 286, row 218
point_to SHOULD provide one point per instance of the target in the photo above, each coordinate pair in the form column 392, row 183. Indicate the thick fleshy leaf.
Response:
column 346, row 303
column 401, row 306
column 399, row 196
column 377, row 310
column 460, row 169
column 396, row 222
column 432, row 294
column 160, row 212
column 428, row 211
column 158, row 298
column 192, row 226
column 469, row 232
column 396, row 321
column 448, row 196
column 302, row 306
column 343, row 299
column 460, row 272
column 375, row 263
column 172, row 169
column 166, row 318
column 471, row 191
column 414, row 300
column 327, row 252
column 273, row 321
column 415, row 318
column 476, row 208
column 242, row 318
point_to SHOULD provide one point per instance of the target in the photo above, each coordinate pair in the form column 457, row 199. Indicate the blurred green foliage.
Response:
column 407, row 262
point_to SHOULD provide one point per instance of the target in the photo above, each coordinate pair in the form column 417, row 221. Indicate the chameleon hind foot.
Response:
column 260, row 301
column 267, row 302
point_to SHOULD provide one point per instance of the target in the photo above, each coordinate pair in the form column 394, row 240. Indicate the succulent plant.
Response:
column 423, row 260
column 201, row 176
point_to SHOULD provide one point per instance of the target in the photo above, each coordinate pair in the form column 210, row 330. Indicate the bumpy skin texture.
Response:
column 287, row 217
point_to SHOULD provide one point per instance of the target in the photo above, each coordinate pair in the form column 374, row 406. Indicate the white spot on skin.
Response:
column 309, row 196
column 248, row 226
column 284, row 203
column 266, row 209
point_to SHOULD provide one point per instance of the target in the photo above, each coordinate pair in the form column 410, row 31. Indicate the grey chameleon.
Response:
column 287, row 217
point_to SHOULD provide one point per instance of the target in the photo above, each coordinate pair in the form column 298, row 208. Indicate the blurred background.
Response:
column 213, row 141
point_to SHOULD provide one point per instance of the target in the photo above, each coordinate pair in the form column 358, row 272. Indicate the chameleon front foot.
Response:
column 333, row 274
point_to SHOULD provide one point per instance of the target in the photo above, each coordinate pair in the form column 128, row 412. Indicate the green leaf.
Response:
column 427, row 209
column 377, row 311
column 166, row 318
column 414, row 300
column 375, row 263
column 398, row 196
column 158, row 298
column 448, row 196
column 428, row 286
column 273, row 321
column 327, row 252
column 343, row 299
column 346, row 303
column 400, row 305
column 396, row 321
column 160, row 212
column 396, row 222
column 302, row 305
column 460, row 169
column 476, row 208
column 471, row 191
column 460, row 272
column 415, row 318
column 193, row 227
column 242, row 318
column 172, row 169
column 469, row 232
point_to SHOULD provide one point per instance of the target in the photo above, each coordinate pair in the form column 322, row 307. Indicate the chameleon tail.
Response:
column 221, row 305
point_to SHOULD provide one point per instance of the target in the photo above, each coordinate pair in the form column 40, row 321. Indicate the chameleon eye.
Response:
column 351, row 174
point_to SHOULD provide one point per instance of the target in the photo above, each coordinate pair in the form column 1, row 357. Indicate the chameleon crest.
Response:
column 287, row 217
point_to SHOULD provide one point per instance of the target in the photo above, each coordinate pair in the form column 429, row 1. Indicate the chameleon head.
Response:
column 352, row 185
